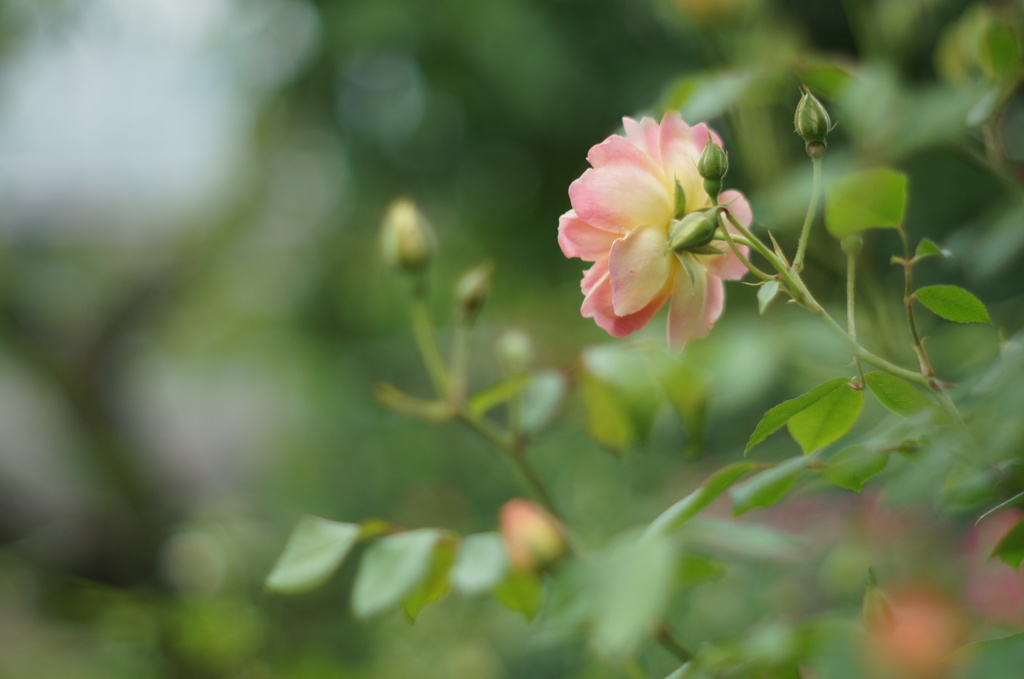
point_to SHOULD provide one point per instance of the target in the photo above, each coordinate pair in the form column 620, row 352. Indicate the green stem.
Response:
column 851, row 317
column 789, row 277
column 743, row 258
column 667, row 641
column 457, row 381
column 812, row 208
column 426, row 340
column 513, row 449
column 908, row 301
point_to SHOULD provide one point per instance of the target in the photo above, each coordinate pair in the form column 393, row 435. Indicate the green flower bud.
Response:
column 852, row 244
column 407, row 241
column 471, row 291
column 812, row 123
column 876, row 611
column 515, row 352
column 693, row 231
column 714, row 161
column 712, row 166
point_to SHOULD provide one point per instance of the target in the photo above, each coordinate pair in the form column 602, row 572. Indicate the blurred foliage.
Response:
column 193, row 319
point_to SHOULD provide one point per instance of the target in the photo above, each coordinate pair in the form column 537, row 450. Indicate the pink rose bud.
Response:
column 533, row 537
column 916, row 636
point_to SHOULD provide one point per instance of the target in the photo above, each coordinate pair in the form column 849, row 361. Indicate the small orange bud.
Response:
column 533, row 537
column 917, row 636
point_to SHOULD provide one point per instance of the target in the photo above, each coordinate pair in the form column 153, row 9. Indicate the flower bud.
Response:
column 407, row 241
column 515, row 352
column 471, row 291
column 876, row 611
column 534, row 539
column 693, row 231
column 812, row 123
column 714, row 161
column 852, row 244
column 917, row 638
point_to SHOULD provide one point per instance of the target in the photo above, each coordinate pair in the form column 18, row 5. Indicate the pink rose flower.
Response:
column 620, row 219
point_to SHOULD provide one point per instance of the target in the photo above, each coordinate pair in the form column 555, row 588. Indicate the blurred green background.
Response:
column 193, row 316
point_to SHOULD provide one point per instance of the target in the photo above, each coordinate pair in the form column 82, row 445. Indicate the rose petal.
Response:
column 625, row 190
column 686, row 311
column 738, row 206
column 598, row 305
column 640, row 267
column 645, row 135
column 579, row 239
column 593, row 275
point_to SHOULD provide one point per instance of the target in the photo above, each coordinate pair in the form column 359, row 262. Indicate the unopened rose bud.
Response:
column 515, row 352
column 534, row 539
column 471, row 291
column 812, row 123
column 917, row 638
column 693, row 231
column 407, row 241
column 876, row 612
column 712, row 166
column 852, row 244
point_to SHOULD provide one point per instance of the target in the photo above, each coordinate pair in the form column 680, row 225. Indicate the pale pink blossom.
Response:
column 622, row 209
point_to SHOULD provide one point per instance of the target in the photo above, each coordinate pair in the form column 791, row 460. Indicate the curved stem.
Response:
column 812, row 208
column 667, row 641
column 908, row 301
column 457, row 379
column 728, row 237
column 851, row 317
column 426, row 340
column 513, row 449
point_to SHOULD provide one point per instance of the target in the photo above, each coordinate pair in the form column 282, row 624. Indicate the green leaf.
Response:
column 875, row 198
column 632, row 581
column 540, row 400
column 1000, row 53
column 953, row 304
column 424, row 409
column 1016, row 499
column 1011, row 548
column 999, row 658
column 481, row 563
column 928, row 248
column 692, row 569
column 608, row 419
column 852, row 467
column 743, row 540
column 500, row 392
column 765, row 294
column 689, row 506
column 391, row 568
column 437, row 582
column 828, row 419
column 620, row 395
column 768, row 487
column 313, row 553
column 520, row 592
column 780, row 414
column 896, row 394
